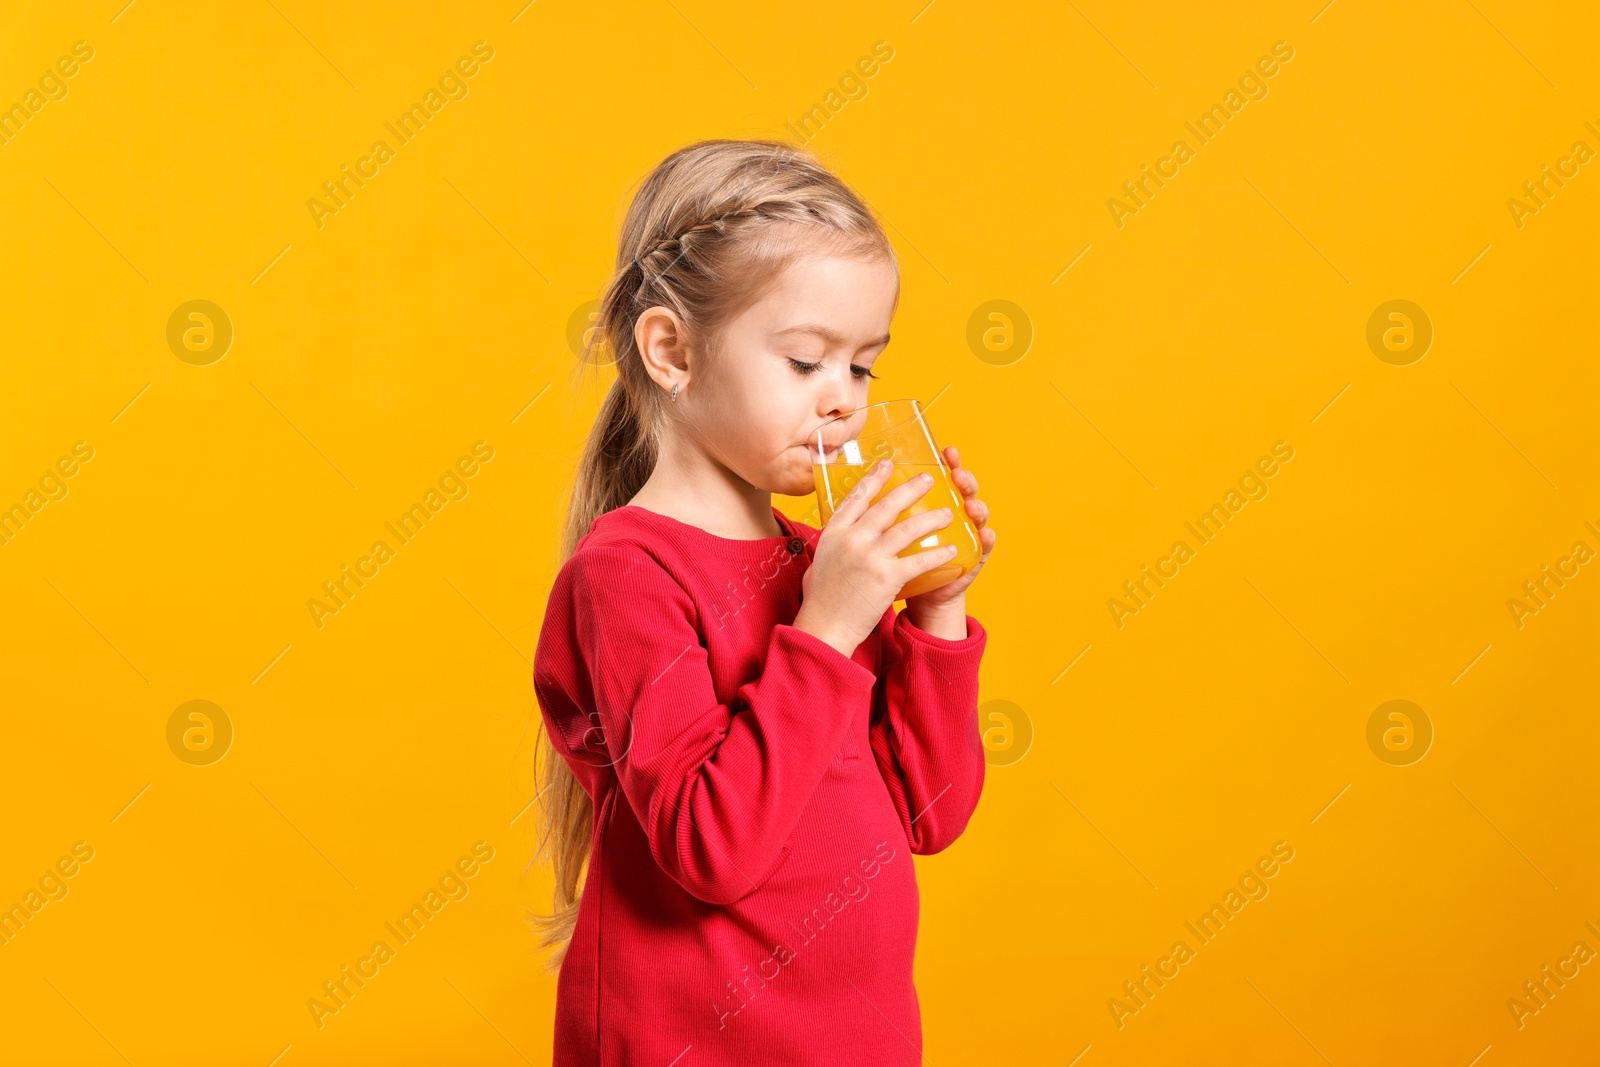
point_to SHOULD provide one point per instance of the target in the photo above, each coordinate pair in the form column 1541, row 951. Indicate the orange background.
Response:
column 1164, row 357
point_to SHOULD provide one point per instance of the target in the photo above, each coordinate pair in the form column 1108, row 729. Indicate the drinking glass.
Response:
column 844, row 450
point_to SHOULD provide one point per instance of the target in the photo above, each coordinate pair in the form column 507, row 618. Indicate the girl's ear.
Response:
column 661, row 340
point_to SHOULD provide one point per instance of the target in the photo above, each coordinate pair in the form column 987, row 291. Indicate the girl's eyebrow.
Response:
column 828, row 334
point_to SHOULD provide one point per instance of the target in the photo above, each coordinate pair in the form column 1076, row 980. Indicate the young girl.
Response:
column 747, row 742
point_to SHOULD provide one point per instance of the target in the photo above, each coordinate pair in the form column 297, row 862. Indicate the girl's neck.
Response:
column 710, row 497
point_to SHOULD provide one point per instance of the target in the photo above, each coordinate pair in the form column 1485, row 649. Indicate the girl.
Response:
column 747, row 742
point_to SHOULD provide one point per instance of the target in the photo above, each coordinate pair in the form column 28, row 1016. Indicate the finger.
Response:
column 966, row 481
column 883, row 514
column 985, row 546
column 856, row 500
column 925, row 561
column 903, row 534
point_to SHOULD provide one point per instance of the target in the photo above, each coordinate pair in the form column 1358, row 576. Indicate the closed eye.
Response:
column 811, row 368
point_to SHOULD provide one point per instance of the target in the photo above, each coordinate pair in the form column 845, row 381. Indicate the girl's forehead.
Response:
column 827, row 290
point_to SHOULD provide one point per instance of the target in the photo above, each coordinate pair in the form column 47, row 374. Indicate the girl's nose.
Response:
column 837, row 398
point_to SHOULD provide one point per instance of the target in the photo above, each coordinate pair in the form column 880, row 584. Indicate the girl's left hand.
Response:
column 965, row 481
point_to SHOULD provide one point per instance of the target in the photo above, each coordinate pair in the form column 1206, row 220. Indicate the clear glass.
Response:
column 844, row 450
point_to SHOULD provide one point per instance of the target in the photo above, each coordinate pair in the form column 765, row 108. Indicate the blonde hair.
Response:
column 709, row 228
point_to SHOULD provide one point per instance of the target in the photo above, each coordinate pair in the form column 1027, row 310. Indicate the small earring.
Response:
column 674, row 391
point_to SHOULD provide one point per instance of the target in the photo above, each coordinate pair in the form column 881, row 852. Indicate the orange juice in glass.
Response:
column 845, row 450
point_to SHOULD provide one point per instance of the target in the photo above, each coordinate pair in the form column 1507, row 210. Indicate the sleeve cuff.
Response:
column 811, row 650
column 908, row 631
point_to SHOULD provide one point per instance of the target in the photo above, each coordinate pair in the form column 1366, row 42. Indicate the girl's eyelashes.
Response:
column 809, row 368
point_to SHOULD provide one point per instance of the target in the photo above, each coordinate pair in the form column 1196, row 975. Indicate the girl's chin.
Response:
column 798, row 488
column 797, row 479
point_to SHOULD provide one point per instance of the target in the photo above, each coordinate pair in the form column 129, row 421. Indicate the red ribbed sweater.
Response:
column 750, row 897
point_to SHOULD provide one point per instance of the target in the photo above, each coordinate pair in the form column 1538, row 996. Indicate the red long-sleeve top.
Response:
column 750, row 897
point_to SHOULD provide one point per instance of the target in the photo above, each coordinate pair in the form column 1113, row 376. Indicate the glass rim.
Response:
column 869, row 407
column 820, row 450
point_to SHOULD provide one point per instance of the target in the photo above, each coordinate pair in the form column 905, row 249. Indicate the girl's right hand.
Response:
column 856, row 570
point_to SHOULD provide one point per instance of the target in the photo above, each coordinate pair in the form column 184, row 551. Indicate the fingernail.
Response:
column 924, row 478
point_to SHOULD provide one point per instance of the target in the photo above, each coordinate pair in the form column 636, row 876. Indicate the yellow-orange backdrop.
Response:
column 1151, row 343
